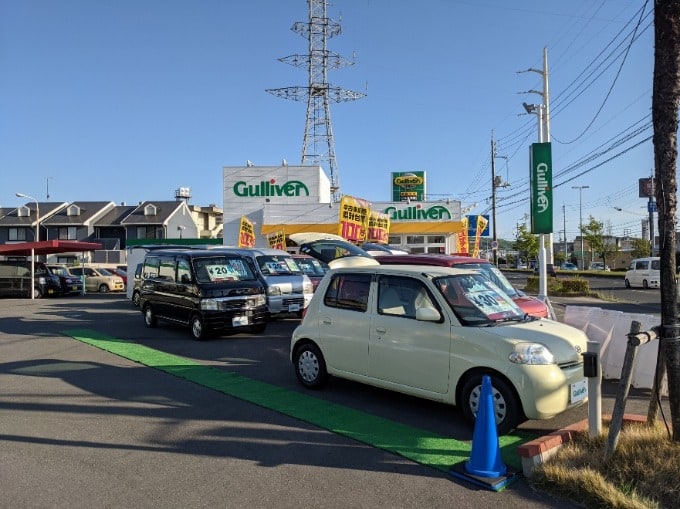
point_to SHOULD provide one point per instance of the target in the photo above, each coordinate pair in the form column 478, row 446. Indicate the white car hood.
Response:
column 307, row 237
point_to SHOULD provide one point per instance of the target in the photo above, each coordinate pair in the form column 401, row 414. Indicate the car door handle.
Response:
column 381, row 330
column 327, row 321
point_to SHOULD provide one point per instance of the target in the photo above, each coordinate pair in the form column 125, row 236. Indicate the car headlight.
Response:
column 274, row 290
column 209, row 305
column 42, row 281
column 531, row 353
column 259, row 300
column 308, row 288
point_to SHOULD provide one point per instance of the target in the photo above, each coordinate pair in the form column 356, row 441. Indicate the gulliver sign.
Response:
column 418, row 213
column 541, row 188
column 270, row 188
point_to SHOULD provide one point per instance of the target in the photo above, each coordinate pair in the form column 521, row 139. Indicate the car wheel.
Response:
column 103, row 288
column 507, row 408
column 259, row 328
column 627, row 283
column 310, row 366
column 645, row 285
column 150, row 317
column 198, row 328
column 37, row 294
column 135, row 299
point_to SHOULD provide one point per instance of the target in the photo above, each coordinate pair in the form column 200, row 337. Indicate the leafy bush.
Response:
column 561, row 285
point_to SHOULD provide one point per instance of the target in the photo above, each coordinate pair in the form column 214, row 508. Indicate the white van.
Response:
column 289, row 289
column 644, row 272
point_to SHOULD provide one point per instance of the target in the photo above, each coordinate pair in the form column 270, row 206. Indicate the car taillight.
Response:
column 304, row 312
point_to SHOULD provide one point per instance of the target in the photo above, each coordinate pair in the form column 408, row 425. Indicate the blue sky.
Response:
column 128, row 100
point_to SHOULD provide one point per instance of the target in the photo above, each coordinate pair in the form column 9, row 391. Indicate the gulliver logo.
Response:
column 417, row 212
column 408, row 181
column 270, row 188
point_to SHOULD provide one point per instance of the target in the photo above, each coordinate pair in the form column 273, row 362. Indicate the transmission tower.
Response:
column 318, row 145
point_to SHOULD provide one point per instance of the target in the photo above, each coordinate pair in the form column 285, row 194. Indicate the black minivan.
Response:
column 211, row 291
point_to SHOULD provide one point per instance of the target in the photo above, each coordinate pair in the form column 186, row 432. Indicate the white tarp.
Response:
column 610, row 329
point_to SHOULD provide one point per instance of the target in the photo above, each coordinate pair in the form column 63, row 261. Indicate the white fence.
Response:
column 610, row 329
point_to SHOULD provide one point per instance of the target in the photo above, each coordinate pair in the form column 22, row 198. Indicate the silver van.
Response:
column 289, row 289
column 644, row 272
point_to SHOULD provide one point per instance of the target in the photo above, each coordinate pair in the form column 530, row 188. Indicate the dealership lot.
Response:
column 75, row 416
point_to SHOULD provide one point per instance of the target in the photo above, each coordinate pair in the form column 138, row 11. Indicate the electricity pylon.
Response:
column 318, row 145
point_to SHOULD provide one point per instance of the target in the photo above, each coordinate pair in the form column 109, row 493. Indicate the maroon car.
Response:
column 312, row 267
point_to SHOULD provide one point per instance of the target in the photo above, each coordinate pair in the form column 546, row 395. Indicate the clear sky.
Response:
column 128, row 100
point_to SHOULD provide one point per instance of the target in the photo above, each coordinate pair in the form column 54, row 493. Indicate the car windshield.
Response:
column 218, row 269
column 60, row 271
column 494, row 275
column 310, row 266
column 106, row 272
column 477, row 301
column 278, row 265
column 329, row 250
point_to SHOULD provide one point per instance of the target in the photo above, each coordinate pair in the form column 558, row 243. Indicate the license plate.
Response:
column 239, row 321
column 294, row 308
column 578, row 391
column 74, row 288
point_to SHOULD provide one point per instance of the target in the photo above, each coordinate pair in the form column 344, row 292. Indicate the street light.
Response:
column 180, row 229
column 580, row 220
column 37, row 214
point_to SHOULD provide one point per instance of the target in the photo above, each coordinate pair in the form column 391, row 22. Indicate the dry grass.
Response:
column 643, row 473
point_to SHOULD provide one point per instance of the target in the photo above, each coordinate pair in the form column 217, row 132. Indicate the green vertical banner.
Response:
column 541, row 188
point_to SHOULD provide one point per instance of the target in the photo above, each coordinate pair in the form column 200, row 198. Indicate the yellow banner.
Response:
column 378, row 227
column 353, row 218
column 481, row 226
column 463, row 237
column 277, row 240
column 246, row 236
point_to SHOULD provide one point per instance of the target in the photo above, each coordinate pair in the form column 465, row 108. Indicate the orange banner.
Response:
column 246, row 236
column 353, row 218
column 378, row 227
column 480, row 227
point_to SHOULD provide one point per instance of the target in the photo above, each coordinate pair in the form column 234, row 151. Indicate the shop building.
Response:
column 297, row 199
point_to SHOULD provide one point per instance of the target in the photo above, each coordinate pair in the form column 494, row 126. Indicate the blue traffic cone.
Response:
column 485, row 466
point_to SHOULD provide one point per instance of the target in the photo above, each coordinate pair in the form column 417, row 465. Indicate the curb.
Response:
column 538, row 451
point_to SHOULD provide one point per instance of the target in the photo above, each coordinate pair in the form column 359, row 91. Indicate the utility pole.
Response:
column 564, row 220
column 493, row 199
column 318, row 144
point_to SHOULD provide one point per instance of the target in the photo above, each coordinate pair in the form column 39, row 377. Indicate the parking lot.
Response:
column 83, row 427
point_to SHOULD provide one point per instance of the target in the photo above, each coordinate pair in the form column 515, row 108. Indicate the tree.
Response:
column 641, row 248
column 603, row 247
column 526, row 243
column 665, row 97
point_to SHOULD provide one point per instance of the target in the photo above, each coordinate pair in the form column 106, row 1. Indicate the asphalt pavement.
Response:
column 80, row 427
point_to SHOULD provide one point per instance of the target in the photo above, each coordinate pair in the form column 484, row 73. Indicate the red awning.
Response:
column 45, row 247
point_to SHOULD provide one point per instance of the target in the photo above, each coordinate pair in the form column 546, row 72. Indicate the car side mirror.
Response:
column 185, row 279
column 428, row 314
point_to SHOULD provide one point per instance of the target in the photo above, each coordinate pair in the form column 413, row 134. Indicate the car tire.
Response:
column 259, row 328
column 198, row 328
column 507, row 408
column 627, row 283
column 150, row 319
column 37, row 294
column 103, row 288
column 645, row 284
column 135, row 298
column 310, row 366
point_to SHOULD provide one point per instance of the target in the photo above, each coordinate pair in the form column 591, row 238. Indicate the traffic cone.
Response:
column 485, row 467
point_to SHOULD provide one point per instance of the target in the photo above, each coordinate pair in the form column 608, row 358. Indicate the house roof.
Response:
column 88, row 210
column 45, row 247
column 115, row 216
column 164, row 209
column 46, row 209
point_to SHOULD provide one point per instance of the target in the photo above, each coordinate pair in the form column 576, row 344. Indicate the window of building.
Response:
column 68, row 233
column 17, row 234
column 150, row 232
column 415, row 239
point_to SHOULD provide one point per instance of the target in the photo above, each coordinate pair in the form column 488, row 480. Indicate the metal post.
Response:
column 580, row 220
column 595, row 394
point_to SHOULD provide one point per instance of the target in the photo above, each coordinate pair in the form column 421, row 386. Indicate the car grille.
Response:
column 230, row 303
column 299, row 301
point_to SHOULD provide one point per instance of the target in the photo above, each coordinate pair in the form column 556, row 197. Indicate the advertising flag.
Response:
column 378, row 227
column 353, row 218
column 463, row 237
column 246, row 236
column 481, row 226
column 277, row 240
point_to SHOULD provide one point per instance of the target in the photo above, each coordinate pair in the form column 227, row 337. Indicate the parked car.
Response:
column 312, row 267
column 70, row 283
column 16, row 280
column 434, row 332
column 568, row 266
column 549, row 269
column 599, row 266
column 99, row 280
column 644, row 272
column 208, row 290
column 527, row 303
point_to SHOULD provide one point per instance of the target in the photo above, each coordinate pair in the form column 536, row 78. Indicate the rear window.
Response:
column 348, row 291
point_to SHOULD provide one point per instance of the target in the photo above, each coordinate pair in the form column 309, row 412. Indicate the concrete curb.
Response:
column 538, row 451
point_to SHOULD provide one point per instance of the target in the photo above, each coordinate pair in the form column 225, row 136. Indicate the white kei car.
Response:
column 433, row 332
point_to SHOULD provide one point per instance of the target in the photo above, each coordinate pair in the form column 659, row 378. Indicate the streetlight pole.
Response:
column 37, row 239
column 580, row 219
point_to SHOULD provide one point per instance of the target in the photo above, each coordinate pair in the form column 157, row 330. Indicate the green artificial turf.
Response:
column 418, row 445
